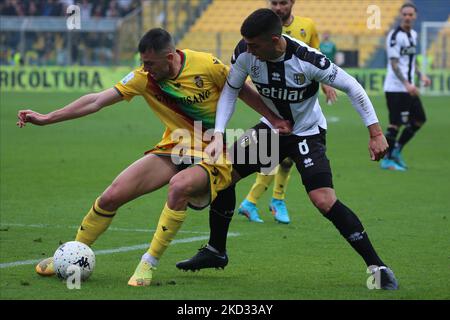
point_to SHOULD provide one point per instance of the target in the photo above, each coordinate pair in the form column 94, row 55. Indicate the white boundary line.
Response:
column 43, row 226
column 116, row 250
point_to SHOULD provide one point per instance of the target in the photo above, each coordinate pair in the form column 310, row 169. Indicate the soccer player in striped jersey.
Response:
column 303, row 29
column 402, row 96
column 287, row 74
column 182, row 87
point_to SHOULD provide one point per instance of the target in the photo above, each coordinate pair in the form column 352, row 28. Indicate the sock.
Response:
column 391, row 137
column 169, row 223
column 150, row 259
column 211, row 248
column 259, row 187
column 94, row 224
column 220, row 215
column 281, row 182
column 352, row 230
column 407, row 134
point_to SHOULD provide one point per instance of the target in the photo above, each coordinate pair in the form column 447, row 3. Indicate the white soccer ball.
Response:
column 71, row 256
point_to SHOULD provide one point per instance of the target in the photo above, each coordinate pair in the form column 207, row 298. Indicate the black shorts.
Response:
column 404, row 108
column 307, row 152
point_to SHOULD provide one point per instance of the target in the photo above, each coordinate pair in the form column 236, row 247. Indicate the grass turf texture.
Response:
column 51, row 175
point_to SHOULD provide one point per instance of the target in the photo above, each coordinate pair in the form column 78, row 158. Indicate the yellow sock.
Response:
column 169, row 223
column 281, row 182
column 259, row 187
column 94, row 224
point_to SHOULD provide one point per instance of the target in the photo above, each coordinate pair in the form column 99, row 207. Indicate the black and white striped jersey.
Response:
column 402, row 45
column 289, row 86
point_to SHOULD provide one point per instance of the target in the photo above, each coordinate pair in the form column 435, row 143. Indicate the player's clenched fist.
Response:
column 25, row 116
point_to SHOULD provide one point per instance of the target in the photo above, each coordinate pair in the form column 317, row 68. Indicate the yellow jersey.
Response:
column 304, row 30
column 187, row 100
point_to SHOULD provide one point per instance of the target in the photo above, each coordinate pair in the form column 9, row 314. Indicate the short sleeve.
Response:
column 393, row 46
column 131, row 85
column 218, row 72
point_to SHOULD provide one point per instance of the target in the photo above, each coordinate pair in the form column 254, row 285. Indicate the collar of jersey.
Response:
column 183, row 63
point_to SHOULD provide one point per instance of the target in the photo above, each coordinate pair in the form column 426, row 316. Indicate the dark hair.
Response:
column 408, row 5
column 261, row 22
column 156, row 39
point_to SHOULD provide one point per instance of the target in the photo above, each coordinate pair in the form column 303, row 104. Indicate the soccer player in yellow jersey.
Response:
column 303, row 29
column 182, row 87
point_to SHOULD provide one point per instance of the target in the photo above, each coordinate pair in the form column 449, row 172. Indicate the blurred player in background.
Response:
column 181, row 87
column 402, row 96
column 303, row 29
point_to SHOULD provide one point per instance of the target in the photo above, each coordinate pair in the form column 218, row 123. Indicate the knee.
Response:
column 179, row 187
column 323, row 200
column 287, row 163
column 109, row 200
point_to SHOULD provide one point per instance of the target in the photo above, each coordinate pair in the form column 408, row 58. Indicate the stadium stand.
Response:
column 439, row 47
column 217, row 30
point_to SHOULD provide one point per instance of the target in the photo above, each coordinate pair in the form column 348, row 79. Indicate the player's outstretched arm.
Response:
column 83, row 106
column 341, row 80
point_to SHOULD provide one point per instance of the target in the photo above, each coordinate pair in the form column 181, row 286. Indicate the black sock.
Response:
column 407, row 134
column 391, row 137
column 352, row 230
column 220, row 215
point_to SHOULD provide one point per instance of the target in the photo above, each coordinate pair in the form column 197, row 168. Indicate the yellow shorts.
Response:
column 219, row 175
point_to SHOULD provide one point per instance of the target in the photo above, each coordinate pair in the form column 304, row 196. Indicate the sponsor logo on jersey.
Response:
column 408, row 51
column 308, row 162
column 276, row 76
column 299, row 78
column 127, row 78
column 198, row 81
column 255, row 70
column 281, row 93
column 189, row 100
column 333, row 74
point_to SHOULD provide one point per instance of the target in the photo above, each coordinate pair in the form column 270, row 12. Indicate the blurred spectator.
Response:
column 327, row 47
column 113, row 10
column 52, row 8
column 11, row 8
column 52, row 48
column 86, row 9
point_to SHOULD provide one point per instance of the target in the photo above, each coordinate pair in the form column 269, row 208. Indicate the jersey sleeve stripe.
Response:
column 232, row 86
column 118, row 91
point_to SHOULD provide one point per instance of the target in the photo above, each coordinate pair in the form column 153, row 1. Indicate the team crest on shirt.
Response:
column 303, row 33
column 299, row 78
column 198, row 81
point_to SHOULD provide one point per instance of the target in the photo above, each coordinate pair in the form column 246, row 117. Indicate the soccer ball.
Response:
column 72, row 255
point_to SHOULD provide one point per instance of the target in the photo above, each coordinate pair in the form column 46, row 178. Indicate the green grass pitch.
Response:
column 51, row 175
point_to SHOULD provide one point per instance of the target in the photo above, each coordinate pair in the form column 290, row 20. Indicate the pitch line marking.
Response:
column 116, row 250
column 43, row 226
